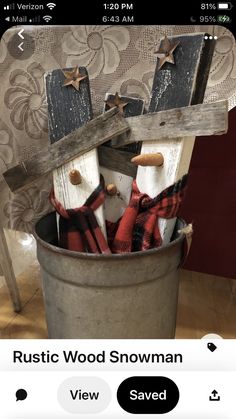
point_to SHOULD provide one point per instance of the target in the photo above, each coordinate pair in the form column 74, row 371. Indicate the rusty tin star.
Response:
column 166, row 50
column 73, row 78
column 117, row 102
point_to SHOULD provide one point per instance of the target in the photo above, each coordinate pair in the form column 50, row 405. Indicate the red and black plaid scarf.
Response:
column 78, row 228
column 136, row 230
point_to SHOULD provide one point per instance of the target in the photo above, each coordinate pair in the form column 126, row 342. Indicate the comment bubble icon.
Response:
column 21, row 394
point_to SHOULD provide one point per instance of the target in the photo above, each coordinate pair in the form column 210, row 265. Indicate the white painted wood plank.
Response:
column 74, row 196
column 181, row 84
column 71, row 108
column 114, row 206
column 187, row 144
column 152, row 180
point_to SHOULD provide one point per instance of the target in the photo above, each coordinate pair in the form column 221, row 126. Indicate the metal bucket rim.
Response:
column 95, row 256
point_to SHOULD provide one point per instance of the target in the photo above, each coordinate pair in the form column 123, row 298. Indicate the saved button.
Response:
column 148, row 395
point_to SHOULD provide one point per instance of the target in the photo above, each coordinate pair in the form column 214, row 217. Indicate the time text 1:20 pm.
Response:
column 117, row 6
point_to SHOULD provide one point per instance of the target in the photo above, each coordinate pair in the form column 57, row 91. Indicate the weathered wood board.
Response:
column 117, row 160
column 78, row 142
column 204, row 119
column 8, row 272
column 175, row 85
column 69, row 109
column 114, row 206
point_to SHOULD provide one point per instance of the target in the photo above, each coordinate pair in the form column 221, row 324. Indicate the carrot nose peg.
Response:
column 151, row 159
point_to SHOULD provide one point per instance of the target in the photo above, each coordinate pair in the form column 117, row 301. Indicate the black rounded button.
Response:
column 148, row 395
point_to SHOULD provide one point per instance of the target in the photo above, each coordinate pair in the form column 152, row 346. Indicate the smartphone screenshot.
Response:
column 117, row 210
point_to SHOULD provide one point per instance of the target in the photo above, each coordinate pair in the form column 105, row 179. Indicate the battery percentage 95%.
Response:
column 207, row 19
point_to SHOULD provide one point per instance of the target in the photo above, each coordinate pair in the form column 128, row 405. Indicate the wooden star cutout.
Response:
column 73, row 78
column 166, row 50
column 117, row 102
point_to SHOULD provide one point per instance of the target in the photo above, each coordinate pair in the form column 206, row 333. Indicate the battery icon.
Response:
column 224, row 6
column 223, row 19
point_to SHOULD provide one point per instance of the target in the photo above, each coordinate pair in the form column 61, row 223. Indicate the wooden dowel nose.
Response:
column 75, row 177
column 111, row 189
column 152, row 159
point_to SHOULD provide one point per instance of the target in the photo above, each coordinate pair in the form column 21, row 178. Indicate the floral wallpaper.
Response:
column 118, row 58
column 26, row 101
column 98, row 47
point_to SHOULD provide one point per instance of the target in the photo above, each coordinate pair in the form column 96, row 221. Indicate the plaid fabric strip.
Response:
column 138, row 228
column 78, row 228
column 69, row 237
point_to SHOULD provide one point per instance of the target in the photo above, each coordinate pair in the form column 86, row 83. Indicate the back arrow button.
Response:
column 20, row 34
column 20, row 46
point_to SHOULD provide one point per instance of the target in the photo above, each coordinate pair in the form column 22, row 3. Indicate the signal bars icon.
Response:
column 9, row 7
column 51, row 5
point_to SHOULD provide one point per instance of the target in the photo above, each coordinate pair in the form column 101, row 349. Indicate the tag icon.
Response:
column 211, row 346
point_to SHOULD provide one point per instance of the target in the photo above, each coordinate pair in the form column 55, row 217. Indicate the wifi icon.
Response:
column 47, row 18
column 51, row 5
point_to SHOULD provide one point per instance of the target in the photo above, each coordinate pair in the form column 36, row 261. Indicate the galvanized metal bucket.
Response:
column 130, row 296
